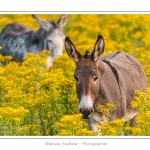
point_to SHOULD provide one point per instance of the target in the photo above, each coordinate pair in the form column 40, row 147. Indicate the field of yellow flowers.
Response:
column 37, row 101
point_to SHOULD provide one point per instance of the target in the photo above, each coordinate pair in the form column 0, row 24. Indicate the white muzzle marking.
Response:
column 49, row 62
column 86, row 102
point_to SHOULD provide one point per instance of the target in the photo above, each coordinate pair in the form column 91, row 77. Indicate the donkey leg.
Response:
column 92, row 125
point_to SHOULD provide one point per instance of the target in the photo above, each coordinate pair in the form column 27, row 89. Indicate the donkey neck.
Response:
column 43, row 43
column 109, row 83
column 37, row 41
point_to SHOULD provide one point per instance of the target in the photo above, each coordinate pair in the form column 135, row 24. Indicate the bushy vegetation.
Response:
column 37, row 101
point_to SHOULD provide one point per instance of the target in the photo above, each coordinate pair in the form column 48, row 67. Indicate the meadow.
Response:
column 35, row 101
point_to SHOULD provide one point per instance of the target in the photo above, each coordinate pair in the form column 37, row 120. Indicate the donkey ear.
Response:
column 71, row 50
column 62, row 21
column 44, row 24
column 98, row 48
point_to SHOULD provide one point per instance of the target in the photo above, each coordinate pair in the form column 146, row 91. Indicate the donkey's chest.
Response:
column 95, row 120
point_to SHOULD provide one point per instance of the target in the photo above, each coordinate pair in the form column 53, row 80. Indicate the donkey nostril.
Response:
column 84, row 111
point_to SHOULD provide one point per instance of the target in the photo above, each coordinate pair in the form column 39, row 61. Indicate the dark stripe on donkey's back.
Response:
column 114, row 71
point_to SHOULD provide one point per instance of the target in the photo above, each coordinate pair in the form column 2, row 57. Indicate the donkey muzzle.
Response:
column 86, row 112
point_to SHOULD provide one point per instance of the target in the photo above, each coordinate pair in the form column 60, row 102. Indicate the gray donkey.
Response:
column 16, row 39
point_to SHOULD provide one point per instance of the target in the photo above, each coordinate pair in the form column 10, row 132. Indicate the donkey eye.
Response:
column 95, row 79
column 77, row 79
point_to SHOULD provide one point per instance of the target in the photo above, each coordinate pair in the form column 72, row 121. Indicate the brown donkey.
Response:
column 111, row 79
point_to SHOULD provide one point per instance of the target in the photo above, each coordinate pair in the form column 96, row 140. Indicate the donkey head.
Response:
column 54, row 36
column 87, row 74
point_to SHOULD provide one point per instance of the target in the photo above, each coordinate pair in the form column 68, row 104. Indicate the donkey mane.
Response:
column 87, row 54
